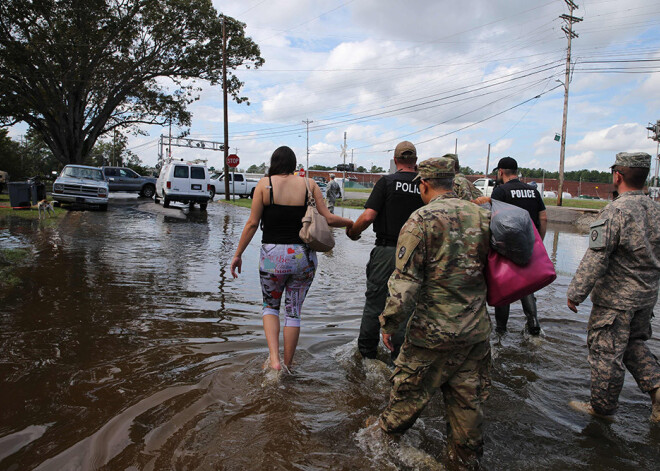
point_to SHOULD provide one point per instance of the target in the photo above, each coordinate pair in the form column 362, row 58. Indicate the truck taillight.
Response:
column 169, row 185
column 208, row 188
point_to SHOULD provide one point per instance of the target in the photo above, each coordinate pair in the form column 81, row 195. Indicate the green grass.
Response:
column 576, row 203
column 33, row 213
column 247, row 203
column 10, row 260
column 242, row 202
column 359, row 190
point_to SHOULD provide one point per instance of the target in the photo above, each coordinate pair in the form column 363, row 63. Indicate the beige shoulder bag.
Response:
column 315, row 231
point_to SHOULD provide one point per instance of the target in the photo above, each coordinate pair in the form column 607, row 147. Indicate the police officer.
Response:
column 440, row 259
column 513, row 191
column 463, row 187
column 392, row 200
column 621, row 269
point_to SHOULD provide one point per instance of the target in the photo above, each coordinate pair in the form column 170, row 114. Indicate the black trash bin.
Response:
column 21, row 195
column 37, row 192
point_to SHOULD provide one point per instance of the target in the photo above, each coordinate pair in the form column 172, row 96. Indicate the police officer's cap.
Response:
column 405, row 150
column 633, row 159
column 506, row 163
column 438, row 167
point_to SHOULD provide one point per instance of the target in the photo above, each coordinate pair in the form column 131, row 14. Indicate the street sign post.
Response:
column 233, row 161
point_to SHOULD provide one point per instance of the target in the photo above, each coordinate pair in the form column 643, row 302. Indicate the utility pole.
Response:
column 570, row 34
column 343, row 153
column 654, row 135
column 487, row 161
column 224, row 97
column 307, row 122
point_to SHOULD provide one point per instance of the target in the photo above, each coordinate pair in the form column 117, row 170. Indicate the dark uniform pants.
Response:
column 463, row 375
column 380, row 267
column 616, row 341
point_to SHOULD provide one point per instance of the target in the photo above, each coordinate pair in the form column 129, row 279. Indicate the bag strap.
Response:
column 271, row 190
column 311, row 201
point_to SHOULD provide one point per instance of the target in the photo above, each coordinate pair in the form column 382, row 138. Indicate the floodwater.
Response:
column 129, row 346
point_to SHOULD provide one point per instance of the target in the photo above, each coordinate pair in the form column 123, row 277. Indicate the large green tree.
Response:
column 75, row 70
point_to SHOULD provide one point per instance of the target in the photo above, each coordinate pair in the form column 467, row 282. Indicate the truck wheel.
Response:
column 242, row 196
column 212, row 192
column 166, row 202
column 252, row 193
column 148, row 191
column 202, row 206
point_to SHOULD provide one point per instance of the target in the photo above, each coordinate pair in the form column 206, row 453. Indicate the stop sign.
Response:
column 233, row 160
column 301, row 172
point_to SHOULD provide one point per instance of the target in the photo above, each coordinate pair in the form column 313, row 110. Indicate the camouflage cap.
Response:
column 633, row 159
column 405, row 147
column 438, row 167
column 453, row 157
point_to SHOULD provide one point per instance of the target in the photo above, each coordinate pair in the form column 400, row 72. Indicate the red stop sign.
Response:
column 301, row 172
column 233, row 160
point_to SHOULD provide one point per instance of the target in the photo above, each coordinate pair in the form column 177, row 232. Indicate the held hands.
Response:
column 387, row 341
column 350, row 234
column 236, row 263
column 572, row 305
column 482, row 200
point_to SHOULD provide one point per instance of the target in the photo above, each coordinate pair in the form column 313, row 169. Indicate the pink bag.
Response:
column 508, row 282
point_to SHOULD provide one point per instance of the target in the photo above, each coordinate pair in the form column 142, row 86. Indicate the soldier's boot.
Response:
column 655, row 412
column 533, row 325
column 586, row 408
column 529, row 308
column 501, row 318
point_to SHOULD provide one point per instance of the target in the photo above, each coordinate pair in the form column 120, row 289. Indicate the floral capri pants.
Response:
column 286, row 268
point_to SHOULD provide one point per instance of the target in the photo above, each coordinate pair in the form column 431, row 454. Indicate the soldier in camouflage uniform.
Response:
column 621, row 269
column 463, row 187
column 440, row 258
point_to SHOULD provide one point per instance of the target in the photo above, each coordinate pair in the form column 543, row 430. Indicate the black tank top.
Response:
column 281, row 223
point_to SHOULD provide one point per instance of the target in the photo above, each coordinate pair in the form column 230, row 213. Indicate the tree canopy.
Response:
column 73, row 70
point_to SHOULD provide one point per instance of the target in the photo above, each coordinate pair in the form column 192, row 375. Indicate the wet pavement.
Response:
column 129, row 346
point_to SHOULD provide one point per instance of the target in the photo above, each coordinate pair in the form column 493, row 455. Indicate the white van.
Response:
column 185, row 182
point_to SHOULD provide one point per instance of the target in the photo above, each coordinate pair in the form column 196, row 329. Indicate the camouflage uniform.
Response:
column 463, row 187
column 440, row 257
column 621, row 269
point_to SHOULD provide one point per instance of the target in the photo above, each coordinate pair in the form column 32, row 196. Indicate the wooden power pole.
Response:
column 224, row 97
column 570, row 34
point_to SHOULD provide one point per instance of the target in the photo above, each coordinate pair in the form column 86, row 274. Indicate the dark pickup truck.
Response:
column 125, row 179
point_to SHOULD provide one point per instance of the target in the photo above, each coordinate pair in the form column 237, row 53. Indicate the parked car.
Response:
column 125, row 179
column 485, row 185
column 185, row 182
column 549, row 194
column 82, row 185
column 240, row 185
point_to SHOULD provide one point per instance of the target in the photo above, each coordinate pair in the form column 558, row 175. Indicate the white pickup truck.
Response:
column 240, row 185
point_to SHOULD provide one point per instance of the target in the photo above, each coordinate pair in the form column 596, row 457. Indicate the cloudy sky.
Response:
column 432, row 72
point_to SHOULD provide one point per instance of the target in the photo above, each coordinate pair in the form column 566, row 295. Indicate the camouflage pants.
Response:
column 463, row 376
column 616, row 341
column 331, row 205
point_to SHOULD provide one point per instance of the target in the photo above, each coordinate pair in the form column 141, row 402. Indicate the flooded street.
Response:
column 129, row 346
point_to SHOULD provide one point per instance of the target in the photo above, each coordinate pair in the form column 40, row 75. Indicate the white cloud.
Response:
column 580, row 161
column 627, row 137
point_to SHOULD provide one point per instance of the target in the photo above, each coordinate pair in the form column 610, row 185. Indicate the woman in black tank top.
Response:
column 286, row 265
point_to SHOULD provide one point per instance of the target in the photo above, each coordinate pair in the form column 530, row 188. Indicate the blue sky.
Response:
column 432, row 72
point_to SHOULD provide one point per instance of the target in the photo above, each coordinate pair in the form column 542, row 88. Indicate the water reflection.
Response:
column 130, row 346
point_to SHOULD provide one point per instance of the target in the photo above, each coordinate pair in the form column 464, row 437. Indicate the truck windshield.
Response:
column 80, row 172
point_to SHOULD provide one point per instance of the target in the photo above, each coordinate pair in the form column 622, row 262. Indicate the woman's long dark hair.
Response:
column 282, row 162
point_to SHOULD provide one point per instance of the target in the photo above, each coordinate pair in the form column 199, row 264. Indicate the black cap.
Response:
column 508, row 163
